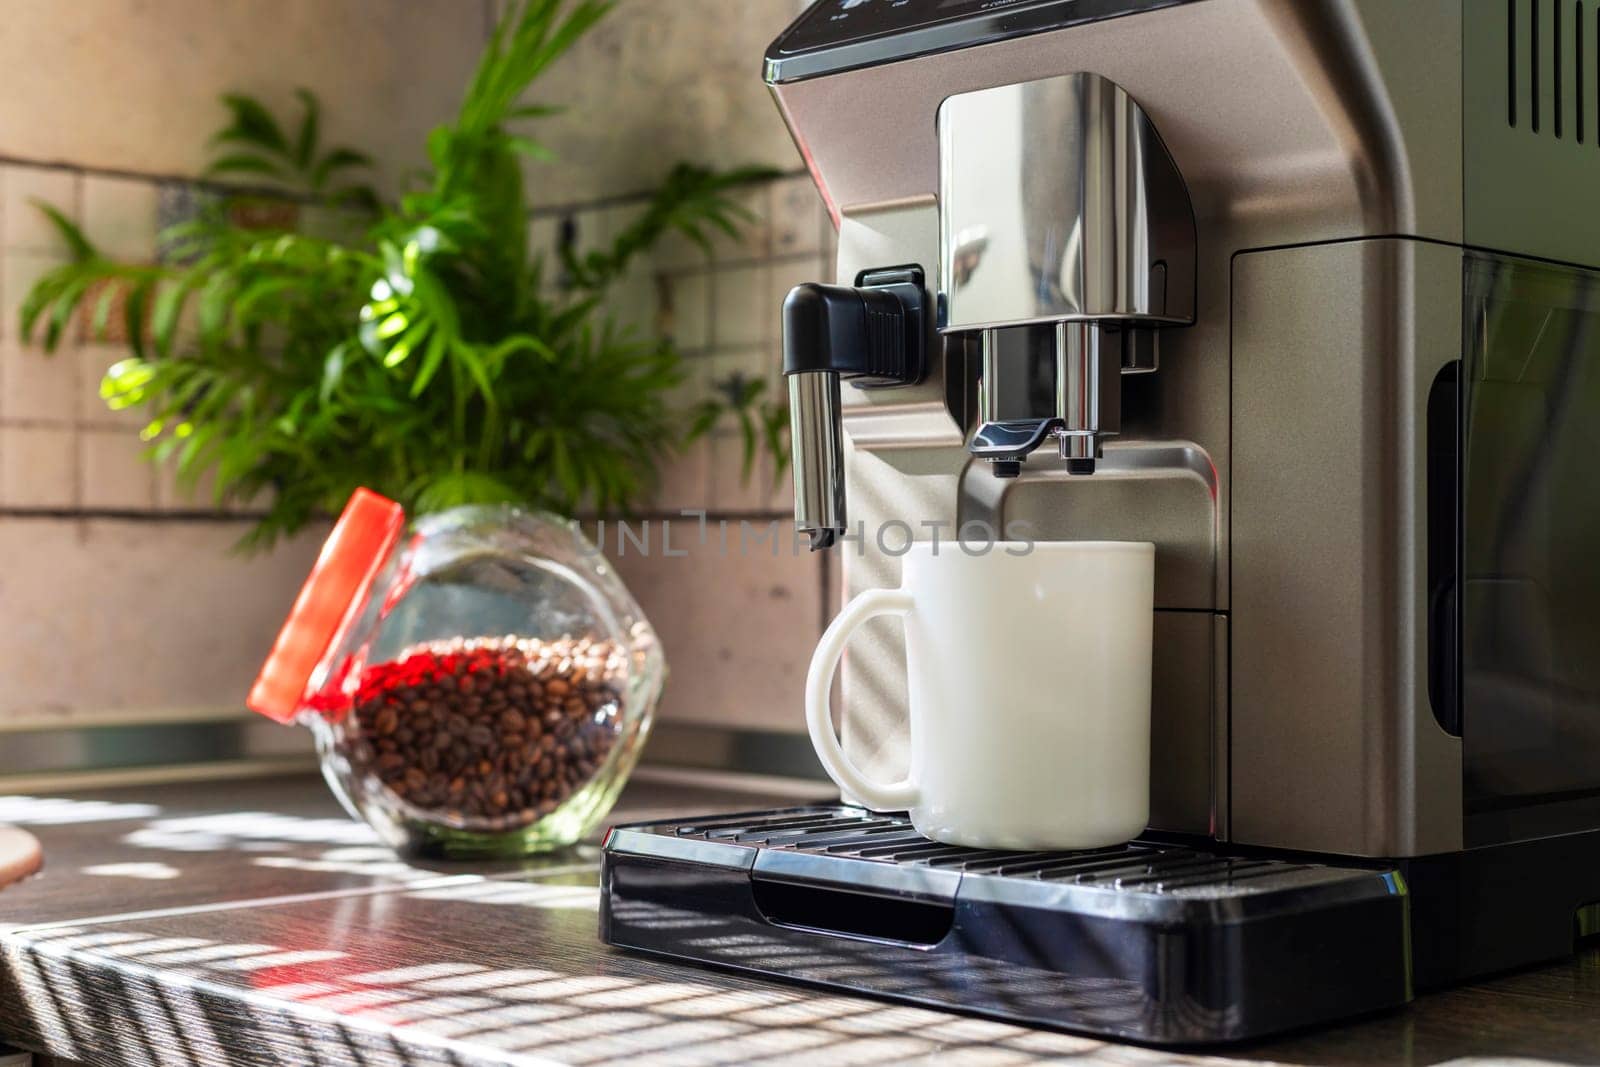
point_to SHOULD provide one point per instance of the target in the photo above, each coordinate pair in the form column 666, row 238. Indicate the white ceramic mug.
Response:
column 1029, row 671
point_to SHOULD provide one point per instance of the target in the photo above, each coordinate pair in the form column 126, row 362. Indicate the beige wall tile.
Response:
column 685, row 480
column 133, row 84
column 677, row 253
column 37, row 467
column 22, row 224
column 121, row 616
column 695, row 386
column 798, row 216
column 734, row 492
column 37, row 387
column 633, row 302
column 684, row 92
column 119, row 216
column 115, row 474
column 687, row 318
column 544, row 236
column 738, row 627
column 741, row 310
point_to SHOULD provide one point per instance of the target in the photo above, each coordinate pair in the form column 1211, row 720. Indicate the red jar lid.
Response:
column 336, row 588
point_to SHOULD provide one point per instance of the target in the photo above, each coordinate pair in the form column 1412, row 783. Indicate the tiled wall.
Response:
column 118, row 598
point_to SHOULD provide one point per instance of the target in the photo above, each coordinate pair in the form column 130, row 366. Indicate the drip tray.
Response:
column 1147, row 941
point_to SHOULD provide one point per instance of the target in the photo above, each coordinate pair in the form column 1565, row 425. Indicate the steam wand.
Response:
column 872, row 333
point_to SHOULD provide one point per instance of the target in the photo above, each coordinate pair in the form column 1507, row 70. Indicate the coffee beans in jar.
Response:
column 449, row 744
column 492, row 733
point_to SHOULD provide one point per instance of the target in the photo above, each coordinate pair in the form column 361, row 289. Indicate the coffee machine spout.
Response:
column 1061, row 381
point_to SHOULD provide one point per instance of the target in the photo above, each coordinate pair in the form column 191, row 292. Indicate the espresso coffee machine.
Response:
column 1301, row 291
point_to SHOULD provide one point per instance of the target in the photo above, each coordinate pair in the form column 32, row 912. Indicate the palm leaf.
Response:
column 68, row 231
column 336, row 160
column 252, row 125
column 305, row 142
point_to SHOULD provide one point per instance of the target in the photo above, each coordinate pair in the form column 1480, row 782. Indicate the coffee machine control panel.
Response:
column 837, row 35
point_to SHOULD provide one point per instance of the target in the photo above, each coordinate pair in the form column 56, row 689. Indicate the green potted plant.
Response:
column 427, row 356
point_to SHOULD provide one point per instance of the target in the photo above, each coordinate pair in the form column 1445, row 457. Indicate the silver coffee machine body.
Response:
column 1297, row 290
column 1302, row 291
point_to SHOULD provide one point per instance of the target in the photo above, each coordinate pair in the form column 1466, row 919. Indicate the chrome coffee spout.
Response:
column 1061, row 381
column 871, row 333
column 1088, row 392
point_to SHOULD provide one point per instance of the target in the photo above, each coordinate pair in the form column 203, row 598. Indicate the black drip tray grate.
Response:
column 1152, row 941
column 857, row 834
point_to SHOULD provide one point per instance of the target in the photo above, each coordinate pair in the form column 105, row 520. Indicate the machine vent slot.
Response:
column 1511, row 63
column 1555, row 60
column 1550, row 88
column 1534, row 55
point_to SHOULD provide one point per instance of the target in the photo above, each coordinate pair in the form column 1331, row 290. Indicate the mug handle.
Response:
column 819, row 684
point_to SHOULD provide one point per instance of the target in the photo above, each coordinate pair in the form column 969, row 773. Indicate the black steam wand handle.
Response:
column 871, row 334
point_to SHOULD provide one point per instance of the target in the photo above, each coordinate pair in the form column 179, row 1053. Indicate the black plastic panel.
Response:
column 836, row 35
column 1150, row 941
column 1498, row 907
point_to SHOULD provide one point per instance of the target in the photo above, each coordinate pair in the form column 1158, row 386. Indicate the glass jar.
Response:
column 479, row 682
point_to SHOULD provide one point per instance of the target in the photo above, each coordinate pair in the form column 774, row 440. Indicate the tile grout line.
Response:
column 557, row 210
column 79, row 449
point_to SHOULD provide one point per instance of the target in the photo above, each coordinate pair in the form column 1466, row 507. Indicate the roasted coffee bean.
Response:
column 491, row 733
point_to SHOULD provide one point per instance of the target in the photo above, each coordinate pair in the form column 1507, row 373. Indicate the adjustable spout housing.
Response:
column 871, row 333
column 1065, row 236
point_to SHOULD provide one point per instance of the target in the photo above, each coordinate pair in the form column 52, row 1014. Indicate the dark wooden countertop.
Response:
column 251, row 922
